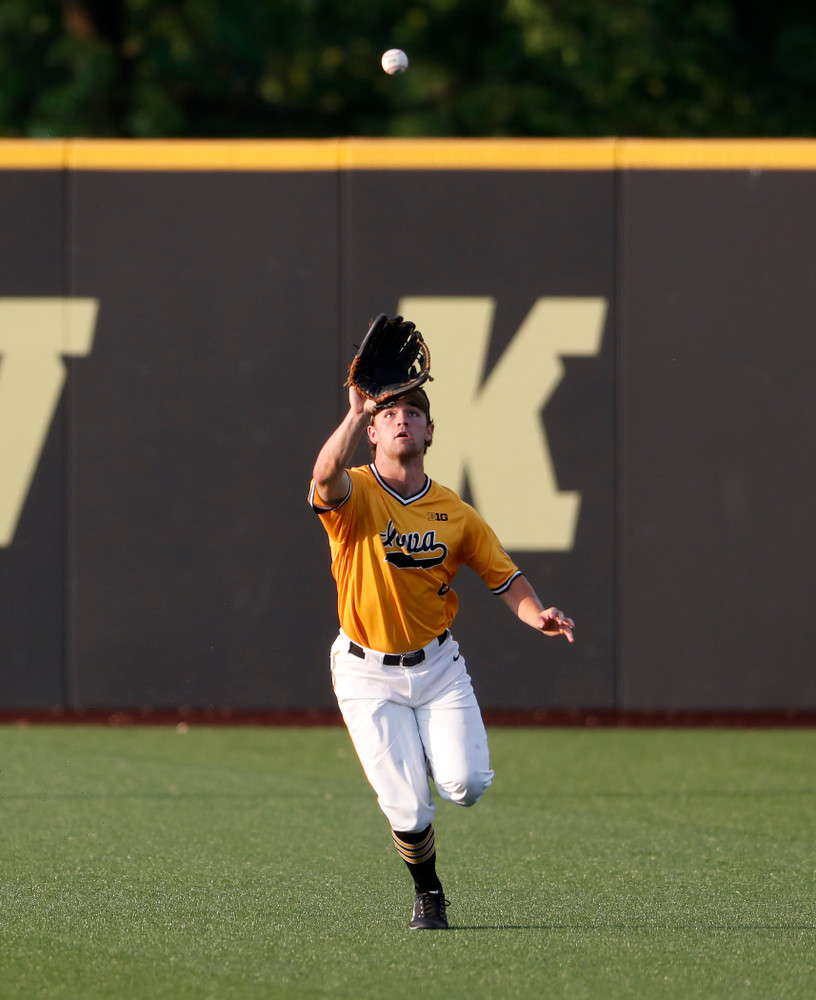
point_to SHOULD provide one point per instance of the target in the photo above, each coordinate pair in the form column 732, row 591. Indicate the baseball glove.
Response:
column 392, row 360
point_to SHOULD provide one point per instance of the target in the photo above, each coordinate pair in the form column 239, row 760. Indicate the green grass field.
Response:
column 254, row 863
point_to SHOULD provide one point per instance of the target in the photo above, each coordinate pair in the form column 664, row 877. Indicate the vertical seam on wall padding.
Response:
column 619, row 265
column 69, row 683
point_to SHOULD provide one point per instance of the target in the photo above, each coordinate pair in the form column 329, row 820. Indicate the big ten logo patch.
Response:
column 35, row 335
column 491, row 431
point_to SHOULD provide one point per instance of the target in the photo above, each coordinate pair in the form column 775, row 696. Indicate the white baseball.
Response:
column 394, row 61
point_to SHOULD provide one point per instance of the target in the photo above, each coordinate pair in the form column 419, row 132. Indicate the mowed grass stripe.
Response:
column 217, row 862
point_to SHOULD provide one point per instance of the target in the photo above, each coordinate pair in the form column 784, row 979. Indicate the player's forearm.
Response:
column 523, row 601
column 329, row 471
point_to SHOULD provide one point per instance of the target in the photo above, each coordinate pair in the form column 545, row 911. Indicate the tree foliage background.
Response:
column 287, row 68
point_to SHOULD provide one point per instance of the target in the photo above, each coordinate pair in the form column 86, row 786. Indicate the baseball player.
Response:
column 397, row 539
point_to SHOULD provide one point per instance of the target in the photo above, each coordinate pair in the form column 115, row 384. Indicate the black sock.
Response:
column 418, row 851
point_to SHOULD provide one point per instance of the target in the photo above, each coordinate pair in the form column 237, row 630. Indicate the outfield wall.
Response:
column 623, row 345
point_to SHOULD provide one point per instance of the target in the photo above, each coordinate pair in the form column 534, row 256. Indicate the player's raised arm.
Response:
column 329, row 473
column 523, row 602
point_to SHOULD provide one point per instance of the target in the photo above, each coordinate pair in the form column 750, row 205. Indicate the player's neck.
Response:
column 405, row 478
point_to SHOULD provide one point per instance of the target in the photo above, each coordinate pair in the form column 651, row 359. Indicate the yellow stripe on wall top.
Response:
column 479, row 154
column 204, row 154
column 407, row 154
column 716, row 154
column 33, row 154
column 311, row 154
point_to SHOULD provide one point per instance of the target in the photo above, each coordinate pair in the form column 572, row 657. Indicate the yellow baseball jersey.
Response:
column 393, row 559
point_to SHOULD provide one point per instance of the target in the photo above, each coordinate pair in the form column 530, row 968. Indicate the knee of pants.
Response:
column 408, row 817
column 465, row 791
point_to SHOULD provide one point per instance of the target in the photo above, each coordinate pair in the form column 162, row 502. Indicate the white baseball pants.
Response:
column 407, row 722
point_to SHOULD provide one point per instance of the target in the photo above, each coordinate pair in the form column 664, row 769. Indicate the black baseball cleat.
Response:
column 429, row 912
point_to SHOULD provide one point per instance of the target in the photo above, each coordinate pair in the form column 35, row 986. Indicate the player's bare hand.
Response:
column 552, row 621
column 358, row 403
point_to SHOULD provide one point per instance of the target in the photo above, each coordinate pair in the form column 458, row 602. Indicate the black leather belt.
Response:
column 398, row 659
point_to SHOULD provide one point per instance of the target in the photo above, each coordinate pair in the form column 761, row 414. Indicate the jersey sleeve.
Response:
column 483, row 552
column 339, row 519
column 319, row 506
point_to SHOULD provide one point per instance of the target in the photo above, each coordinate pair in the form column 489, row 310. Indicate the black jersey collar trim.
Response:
column 396, row 496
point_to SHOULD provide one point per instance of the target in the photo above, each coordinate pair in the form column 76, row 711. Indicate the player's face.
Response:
column 401, row 430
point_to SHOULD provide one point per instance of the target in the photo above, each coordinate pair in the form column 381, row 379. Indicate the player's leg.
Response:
column 453, row 734
column 388, row 745
column 384, row 732
column 374, row 703
column 387, row 742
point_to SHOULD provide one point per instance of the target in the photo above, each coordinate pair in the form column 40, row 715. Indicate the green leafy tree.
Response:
column 246, row 68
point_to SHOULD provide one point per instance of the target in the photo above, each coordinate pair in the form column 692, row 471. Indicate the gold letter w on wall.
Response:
column 34, row 333
column 493, row 432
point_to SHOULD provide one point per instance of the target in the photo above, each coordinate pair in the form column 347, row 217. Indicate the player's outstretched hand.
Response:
column 358, row 403
column 555, row 622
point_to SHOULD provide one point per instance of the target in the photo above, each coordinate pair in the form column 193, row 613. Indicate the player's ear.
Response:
column 372, row 433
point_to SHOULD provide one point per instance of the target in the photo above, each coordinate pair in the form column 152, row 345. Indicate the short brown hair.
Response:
column 417, row 397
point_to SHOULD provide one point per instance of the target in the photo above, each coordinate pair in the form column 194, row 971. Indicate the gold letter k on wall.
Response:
column 34, row 334
column 493, row 432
